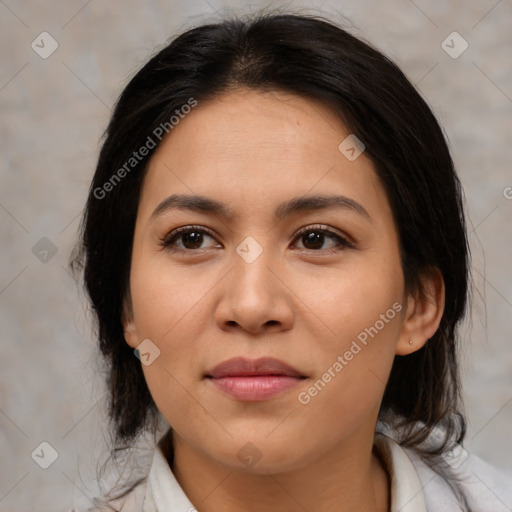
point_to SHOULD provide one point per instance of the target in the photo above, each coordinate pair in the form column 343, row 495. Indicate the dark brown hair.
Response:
column 313, row 58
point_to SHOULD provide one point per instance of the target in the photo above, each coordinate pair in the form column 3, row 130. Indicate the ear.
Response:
column 423, row 313
column 130, row 331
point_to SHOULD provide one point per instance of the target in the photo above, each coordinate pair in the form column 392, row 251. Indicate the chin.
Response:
column 261, row 456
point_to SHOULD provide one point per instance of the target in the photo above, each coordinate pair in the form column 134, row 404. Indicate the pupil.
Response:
column 315, row 239
column 192, row 238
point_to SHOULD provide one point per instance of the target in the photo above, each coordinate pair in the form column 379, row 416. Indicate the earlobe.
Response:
column 423, row 313
column 130, row 333
column 129, row 328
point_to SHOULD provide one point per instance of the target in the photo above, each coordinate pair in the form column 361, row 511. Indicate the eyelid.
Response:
column 344, row 239
column 165, row 240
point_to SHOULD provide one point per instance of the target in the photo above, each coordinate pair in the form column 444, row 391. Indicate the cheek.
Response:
column 165, row 296
column 172, row 307
column 362, row 310
column 355, row 297
column 354, row 371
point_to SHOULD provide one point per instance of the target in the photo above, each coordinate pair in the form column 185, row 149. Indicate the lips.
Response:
column 242, row 367
column 253, row 380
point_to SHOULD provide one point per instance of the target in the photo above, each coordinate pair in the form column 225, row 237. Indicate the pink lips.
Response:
column 254, row 380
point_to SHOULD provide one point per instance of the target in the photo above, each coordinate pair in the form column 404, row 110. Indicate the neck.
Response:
column 348, row 478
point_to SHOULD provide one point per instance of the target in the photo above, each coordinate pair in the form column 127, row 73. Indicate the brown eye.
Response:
column 191, row 239
column 188, row 238
column 317, row 239
column 313, row 240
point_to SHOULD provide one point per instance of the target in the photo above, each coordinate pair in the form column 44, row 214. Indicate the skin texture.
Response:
column 301, row 303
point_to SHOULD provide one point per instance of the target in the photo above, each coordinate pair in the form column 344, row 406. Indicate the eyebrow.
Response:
column 202, row 204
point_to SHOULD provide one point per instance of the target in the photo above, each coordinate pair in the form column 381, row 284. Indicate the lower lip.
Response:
column 255, row 388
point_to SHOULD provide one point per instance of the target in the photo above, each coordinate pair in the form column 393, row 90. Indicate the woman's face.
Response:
column 262, row 271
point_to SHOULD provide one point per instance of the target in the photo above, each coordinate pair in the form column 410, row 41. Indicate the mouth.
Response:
column 253, row 380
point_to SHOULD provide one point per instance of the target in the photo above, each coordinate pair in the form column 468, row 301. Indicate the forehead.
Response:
column 246, row 121
column 261, row 147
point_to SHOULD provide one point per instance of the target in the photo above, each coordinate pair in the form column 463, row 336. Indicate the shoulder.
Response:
column 132, row 502
column 471, row 481
column 454, row 480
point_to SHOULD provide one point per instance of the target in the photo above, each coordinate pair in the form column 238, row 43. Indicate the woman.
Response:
column 275, row 248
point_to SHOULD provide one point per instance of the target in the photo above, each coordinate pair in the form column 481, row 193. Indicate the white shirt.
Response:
column 415, row 487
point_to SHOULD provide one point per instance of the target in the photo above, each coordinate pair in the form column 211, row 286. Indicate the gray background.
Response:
column 53, row 112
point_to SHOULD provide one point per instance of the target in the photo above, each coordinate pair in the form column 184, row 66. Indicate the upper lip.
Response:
column 243, row 367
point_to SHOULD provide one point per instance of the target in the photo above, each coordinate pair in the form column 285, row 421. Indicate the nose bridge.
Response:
column 251, row 264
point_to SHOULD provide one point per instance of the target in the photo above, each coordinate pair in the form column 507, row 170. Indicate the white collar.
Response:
column 164, row 493
column 406, row 488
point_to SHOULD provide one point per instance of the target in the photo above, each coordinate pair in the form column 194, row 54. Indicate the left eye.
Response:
column 315, row 238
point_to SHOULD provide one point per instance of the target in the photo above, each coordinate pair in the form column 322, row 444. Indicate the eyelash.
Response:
column 167, row 241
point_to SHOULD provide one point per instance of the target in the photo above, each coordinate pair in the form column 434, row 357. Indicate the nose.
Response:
column 255, row 297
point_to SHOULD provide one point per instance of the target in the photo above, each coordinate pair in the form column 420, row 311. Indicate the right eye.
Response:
column 186, row 239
